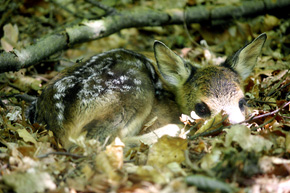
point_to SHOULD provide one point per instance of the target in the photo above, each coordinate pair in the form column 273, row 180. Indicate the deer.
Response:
column 115, row 93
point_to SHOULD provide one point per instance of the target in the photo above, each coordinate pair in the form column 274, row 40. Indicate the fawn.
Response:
column 115, row 93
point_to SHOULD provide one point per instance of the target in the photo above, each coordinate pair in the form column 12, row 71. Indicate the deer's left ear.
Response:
column 244, row 60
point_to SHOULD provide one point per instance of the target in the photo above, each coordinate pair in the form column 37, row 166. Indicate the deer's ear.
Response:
column 172, row 68
column 244, row 60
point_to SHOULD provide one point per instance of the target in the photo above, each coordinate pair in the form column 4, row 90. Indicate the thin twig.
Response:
column 25, row 97
column 266, row 114
column 107, row 9
column 66, row 9
column 284, row 86
column 262, row 125
column 61, row 153
column 186, row 30
column 285, row 117
column 207, row 132
column 259, row 101
column 194, row 126
column 276, row 89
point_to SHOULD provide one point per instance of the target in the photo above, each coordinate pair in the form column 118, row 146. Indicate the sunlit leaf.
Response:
column 27, row 137
column 30, row 181
column 166, row 150
column 9, row 41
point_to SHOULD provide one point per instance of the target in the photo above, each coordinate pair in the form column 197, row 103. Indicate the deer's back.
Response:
column 109, row 95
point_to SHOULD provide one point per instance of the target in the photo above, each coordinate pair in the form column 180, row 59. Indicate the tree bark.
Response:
column 96, row 29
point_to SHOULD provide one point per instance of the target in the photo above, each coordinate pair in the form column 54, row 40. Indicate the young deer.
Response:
column 115, row 93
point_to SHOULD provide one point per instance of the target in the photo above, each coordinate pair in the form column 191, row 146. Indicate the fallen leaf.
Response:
column 211, row 159
column 166, row 150
column 27, row 137
column 26, row 83
column 10, row 38
column 270, row 22
column 147, row 173
column 208, row 184
column 176, row 169
column 110, row 160
column 242, row 135
column 30, row 181
column 114, row 152
column 211, row 124
column 15, row 114
column 274, row 165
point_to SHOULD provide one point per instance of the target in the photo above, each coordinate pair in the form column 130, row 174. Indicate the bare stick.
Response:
column 61, row 153
column 137, row 17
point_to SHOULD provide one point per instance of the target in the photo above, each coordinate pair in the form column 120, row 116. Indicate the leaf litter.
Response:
column 216, row 157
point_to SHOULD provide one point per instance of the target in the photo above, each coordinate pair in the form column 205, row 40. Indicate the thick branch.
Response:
column 91, row 30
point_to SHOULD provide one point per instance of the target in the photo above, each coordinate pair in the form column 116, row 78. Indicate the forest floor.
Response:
column 250, row 157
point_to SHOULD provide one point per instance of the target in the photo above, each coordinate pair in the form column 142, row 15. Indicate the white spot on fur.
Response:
column 123, row 78
column 111, row 73
column 116, row 81
column 126, row 87
column 61, row 86
column 60, row 117
column 59, row 105
column 137, row 82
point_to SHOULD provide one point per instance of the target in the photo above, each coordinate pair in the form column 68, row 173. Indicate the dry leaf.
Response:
column 26, row 83
column 103, row 164
column 166, row 150
column 10, row 38
column 30, row 181
column 211, row 159
column 270, row 22
column 15, row 114
column 147, row 173
column 110, row 160
column 114, row 152
column 212, row 123
column 270, row 165
column 27, row 137
column 242, row 135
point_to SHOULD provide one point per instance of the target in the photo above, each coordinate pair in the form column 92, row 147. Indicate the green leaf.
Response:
column 30, row 181
column 242, row 135
column 26, row 136
column 208, row 184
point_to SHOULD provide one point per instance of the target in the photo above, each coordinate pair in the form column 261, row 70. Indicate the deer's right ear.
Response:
column 172, row 68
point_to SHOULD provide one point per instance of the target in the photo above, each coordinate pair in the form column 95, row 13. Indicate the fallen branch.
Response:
column 92, row 30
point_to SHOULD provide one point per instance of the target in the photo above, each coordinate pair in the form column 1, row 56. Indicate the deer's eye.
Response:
column 242, row 104
column 202, row 110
